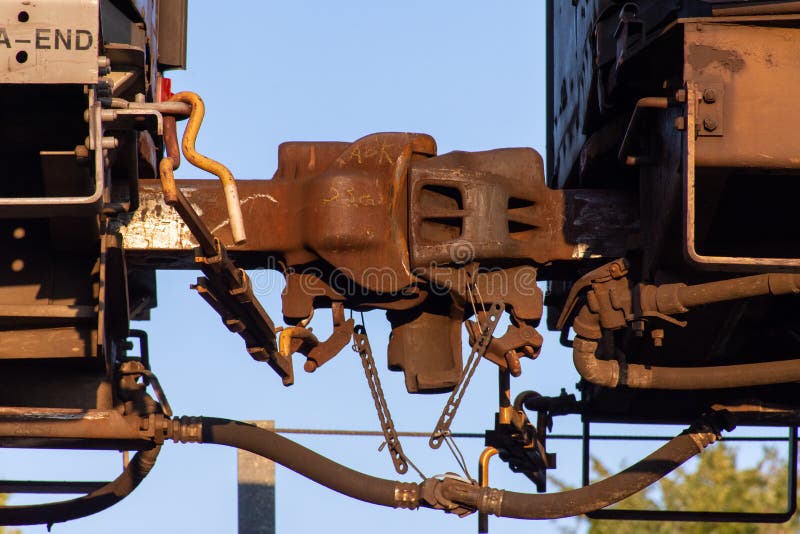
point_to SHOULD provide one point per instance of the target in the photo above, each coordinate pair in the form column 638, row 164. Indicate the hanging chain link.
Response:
column 479, row 347
column 362, row 347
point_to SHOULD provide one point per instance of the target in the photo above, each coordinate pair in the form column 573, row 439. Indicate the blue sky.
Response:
column 469, row 73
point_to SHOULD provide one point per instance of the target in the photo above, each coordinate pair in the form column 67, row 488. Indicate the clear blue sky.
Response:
column 469, row 73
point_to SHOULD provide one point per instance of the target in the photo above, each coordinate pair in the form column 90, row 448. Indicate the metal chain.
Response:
column 362, row 347
column 476, row 355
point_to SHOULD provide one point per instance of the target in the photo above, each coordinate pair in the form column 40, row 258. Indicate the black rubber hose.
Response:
column 96, row 501
column 310, row 464
column 589, row 498
column 488, row 500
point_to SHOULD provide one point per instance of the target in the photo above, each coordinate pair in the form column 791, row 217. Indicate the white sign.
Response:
column 49, row 41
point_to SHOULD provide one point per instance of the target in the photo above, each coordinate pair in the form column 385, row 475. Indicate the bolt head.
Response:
column 709, row 96
column 658, row 337
column 710, row 124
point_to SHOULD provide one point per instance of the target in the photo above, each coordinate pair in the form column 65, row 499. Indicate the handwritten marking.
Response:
column 356, row 153
column 364, row 200
column 384, row 154
column 334, row 197
column 242, row 202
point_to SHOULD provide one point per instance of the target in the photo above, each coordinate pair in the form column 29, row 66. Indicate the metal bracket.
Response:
column 692, row 515
column 98, row 495
column 144, row 346
column 69, row 205
column 693, row 125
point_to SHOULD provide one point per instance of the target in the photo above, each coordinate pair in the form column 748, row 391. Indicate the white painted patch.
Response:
column 242, row 202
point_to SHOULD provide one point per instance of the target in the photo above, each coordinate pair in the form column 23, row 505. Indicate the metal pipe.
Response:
column 504, row 401
column 170, row 162
column 610, row 373
column 96, row 501
column 483, row 481
column 175, row 109
column 173, row 196
column 677, row 298
column 739, row 288
column 67, row 424
column 210, row 165
column 592, row 497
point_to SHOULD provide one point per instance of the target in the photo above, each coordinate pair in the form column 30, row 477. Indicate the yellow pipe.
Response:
column 483, row 481
column 210, row 165
column 483, row 466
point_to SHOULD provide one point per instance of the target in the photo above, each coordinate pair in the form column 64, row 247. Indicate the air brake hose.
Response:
column 589, row 498
column 310, row 464
column 448, row 493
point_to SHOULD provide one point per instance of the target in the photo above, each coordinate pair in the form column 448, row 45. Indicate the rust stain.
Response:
column 312, row 158
column 701, row 56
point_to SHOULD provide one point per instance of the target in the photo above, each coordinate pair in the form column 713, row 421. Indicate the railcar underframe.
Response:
column 664, row 227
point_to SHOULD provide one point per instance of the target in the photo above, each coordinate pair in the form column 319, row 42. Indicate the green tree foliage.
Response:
column 715, row 485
